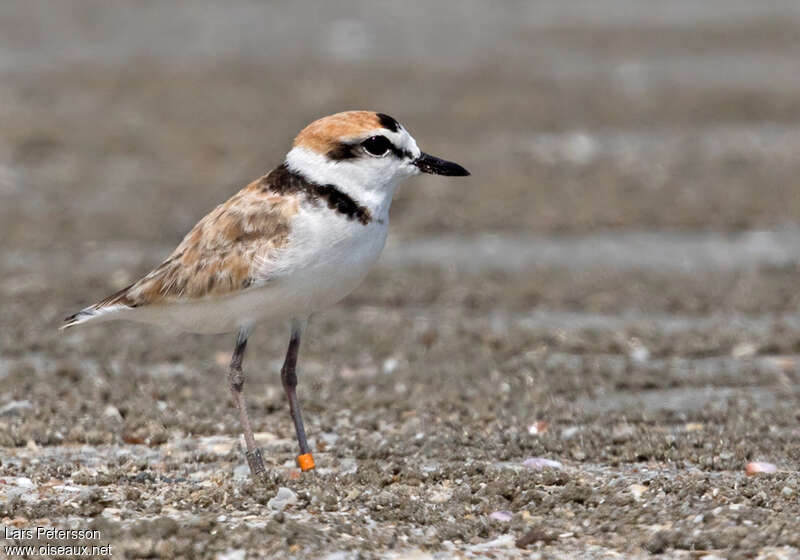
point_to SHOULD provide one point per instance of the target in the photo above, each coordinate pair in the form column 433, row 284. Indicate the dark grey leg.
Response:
column 289, row 380
column 236, row 381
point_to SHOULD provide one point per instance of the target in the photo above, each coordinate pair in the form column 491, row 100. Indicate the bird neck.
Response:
column 366, row 187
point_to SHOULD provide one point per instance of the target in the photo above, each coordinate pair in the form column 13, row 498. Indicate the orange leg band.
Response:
column 305, row 462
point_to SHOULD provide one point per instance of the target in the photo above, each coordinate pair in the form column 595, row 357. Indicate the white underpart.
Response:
column 326, row 257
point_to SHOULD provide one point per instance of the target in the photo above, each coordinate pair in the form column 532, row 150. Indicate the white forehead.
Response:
column 402, row 139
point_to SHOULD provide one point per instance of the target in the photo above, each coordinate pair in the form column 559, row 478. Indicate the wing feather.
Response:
column 221, row 254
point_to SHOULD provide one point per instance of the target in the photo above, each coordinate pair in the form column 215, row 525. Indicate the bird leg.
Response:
column 289, row 379
column 236, row 382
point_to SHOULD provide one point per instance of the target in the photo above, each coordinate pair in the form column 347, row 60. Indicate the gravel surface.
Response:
column 580, row 351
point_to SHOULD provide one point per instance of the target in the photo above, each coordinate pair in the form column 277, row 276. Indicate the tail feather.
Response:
column 108, row 307
column 91, row 313
column 80, row 317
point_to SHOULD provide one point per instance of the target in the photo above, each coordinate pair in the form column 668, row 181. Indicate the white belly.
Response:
column 326, row 258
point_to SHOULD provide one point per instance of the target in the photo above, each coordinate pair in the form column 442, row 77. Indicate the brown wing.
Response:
column 218, row 256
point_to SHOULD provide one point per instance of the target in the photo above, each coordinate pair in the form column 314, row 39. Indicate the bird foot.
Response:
column 255, row 462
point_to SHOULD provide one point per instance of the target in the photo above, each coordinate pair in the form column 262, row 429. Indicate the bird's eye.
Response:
column 377, row 145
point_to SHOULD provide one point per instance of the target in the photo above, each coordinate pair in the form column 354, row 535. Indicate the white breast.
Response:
column 328, row 256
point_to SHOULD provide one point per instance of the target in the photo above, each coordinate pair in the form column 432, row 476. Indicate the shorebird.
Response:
column 286, row 246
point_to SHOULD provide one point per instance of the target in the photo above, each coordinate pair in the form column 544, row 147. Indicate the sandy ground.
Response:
column 573, row 353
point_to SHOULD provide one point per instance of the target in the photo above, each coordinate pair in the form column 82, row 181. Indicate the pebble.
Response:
column 637, row 490
column 755, row 467
column 578, row 455
column 218, row 445
column 569, row 432
column 639, row 353
column 390, row 365
column 14, row 407
column 283, row 498
column 112, row 513
column 503, row 541
column 744, row 350
column 501, row 515
column 440, row 496
column 21, row 481
column 538, row 427
column 330, row 438
column 539, row 463
column 342, row 555
column 112, row 413
column 232, row 554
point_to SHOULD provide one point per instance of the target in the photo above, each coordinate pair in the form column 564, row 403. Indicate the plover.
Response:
column 288, row 245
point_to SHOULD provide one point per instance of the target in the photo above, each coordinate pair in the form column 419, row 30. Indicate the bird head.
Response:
column 363, row 153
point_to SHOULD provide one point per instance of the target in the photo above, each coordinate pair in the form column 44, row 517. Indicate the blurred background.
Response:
column 622, row 263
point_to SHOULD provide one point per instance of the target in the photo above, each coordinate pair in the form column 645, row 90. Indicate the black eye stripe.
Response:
column 344, row 150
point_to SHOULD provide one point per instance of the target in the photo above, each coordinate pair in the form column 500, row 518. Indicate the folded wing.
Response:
column 222, row 254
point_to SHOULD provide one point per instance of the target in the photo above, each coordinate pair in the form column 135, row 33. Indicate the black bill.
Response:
column 435, row 166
